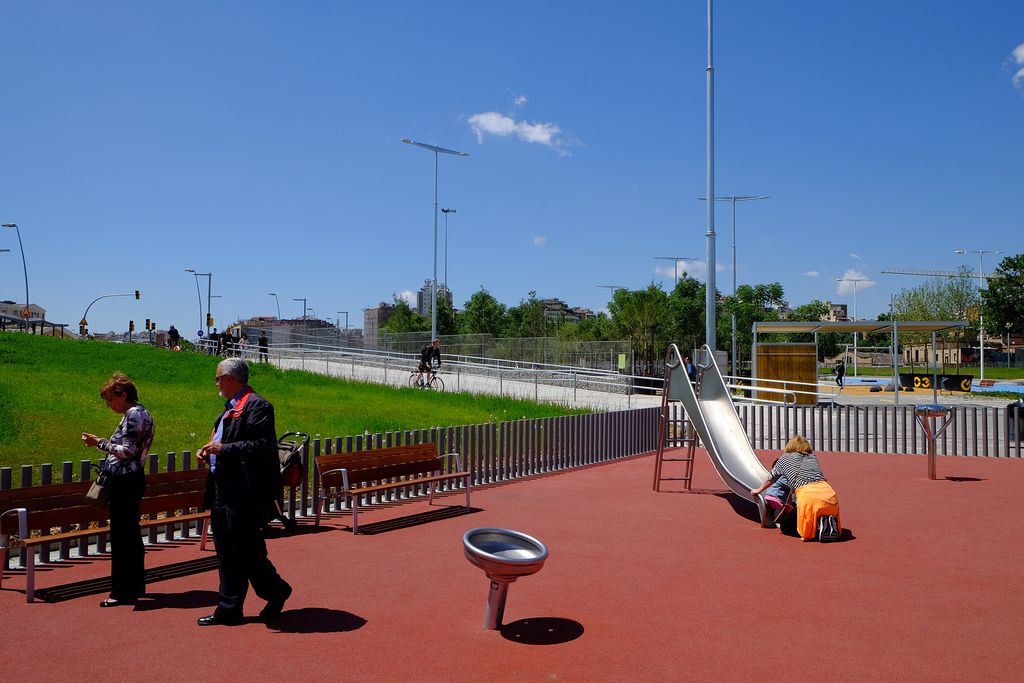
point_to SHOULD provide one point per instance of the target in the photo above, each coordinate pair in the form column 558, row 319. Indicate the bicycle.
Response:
column 431, row 382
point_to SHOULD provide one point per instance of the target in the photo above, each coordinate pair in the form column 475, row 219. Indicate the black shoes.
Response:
column 828, row 529
column 219, row 620
column 114, row 602
column 275, row 607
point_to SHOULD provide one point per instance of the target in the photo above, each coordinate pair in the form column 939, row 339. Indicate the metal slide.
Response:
column 713, row 415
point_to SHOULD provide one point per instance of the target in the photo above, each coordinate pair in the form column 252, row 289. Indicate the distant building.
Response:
column 423, row 297
column 836, row 312
column 373, row 320
column 11, row 309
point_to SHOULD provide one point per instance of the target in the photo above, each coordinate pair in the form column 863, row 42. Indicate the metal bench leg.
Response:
column 202, row 539
column 30, row 575
column 468, row 486
column 355, row 514
column 430, row 498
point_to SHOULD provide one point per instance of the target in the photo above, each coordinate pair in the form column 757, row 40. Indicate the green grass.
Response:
column 49, row 395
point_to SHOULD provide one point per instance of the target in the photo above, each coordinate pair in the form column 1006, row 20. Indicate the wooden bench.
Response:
column 384, row 469
column 174, row 495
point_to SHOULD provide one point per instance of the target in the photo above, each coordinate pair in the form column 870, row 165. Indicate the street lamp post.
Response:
column 278, row 302
column 675, row 263
column 981, row 318
column 446, row 212
column 84, row 322
column 733, row 199
column 304, row 326
column 433, row 285
column 209, row 296
column 26, row 312
column 854, row 280
column 338, row 323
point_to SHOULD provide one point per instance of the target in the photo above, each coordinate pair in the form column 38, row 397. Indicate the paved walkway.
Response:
column 639, row 586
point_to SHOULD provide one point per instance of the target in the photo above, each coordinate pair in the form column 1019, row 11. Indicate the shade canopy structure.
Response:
column 865, row 326
column 893, row 327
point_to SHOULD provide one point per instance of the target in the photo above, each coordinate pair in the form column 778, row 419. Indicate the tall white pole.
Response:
column 710, row 332
column 433, row 282
column 981, row 317
column 27, row 312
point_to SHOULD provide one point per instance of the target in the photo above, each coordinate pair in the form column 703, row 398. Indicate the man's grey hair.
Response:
column 236, row 367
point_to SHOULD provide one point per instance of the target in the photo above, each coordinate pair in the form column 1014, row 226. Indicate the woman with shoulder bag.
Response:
column 124, row 468
column 817, row 506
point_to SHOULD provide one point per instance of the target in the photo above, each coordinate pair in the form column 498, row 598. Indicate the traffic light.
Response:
column 209, row 320
column 131, row 326
column 152, row 326
column 147, row 327
column 136, row 294
column 83, row 331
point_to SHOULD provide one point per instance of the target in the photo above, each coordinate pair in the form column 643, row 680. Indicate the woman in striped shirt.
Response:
column 125, row 453
column 817, row 507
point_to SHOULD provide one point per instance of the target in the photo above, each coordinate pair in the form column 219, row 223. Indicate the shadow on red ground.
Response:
column 639, row 586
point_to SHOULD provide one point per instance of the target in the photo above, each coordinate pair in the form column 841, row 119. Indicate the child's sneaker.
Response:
column 828, row 529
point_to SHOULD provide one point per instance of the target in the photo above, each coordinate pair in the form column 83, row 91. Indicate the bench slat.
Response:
column 372, row 488
column 383, row 469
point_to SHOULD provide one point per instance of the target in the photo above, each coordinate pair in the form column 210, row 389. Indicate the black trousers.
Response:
column 127, row 552
column 242, row 559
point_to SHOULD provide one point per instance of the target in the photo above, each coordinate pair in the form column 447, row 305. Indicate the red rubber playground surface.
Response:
column 926, row 586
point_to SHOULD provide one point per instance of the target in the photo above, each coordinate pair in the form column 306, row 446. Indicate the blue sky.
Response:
column 259, row 141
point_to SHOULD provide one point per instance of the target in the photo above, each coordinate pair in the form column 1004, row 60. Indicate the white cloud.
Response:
column 493, row 123
column 1018, row 57
column 409, row 296
column 855, row 256
column 540, row 241
column 812, row 273
column 694, row 269
column 519, row 100
column 846, row 285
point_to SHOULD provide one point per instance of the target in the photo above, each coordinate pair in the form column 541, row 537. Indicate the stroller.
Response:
column 289, row 453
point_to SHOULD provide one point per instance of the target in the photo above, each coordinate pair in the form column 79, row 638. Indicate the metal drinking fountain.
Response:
column 504, row 555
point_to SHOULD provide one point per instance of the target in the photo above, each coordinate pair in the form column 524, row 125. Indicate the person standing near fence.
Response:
column 840, row 372
column 263, row 344
column 124, row 468
column 244, row 483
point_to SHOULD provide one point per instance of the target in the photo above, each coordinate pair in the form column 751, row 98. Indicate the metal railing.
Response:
column 494, row 452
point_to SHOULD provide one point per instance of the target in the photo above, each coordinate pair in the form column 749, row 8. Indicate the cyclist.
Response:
column 429, row 355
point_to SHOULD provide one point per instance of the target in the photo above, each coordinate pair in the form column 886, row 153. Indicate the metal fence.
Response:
column 603, row 355
column 494, row 452
column 983, row 431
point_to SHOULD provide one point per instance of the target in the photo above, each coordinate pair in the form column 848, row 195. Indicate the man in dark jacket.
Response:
column 244, row 483
column 430, row 357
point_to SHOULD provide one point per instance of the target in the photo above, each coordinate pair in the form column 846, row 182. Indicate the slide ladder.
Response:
column 674, row 433
column 710, row 410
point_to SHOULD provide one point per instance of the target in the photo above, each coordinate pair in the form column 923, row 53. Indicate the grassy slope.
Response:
column 49, row 395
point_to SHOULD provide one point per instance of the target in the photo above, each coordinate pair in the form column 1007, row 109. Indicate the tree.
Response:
column 483, row 314
column 686, row 313
column 446, row 322
column 816, row 311
column 597, row 328
column 1004, row 301
column 526, row 319
column 937, row 299
column 752, row 303
column 643, row 316
column 404, row 319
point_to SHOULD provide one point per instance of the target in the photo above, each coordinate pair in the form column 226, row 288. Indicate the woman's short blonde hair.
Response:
column 798, row 444
column 119, row 383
